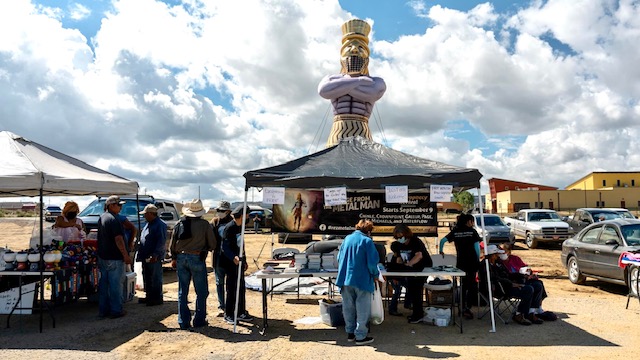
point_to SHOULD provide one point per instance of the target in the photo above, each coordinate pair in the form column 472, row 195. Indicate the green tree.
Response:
column 465, row 199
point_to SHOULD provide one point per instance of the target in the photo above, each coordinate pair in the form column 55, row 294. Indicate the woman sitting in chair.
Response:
column 409, row 254
column 515, row 265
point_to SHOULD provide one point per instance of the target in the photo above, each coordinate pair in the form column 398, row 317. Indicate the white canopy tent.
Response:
column 31, row 169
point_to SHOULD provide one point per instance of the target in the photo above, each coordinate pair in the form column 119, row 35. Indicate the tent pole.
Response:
column 484, row 240
column 41, row 262
column 242, row 259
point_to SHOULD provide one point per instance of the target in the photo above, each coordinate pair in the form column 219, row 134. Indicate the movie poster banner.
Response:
column 304, row 211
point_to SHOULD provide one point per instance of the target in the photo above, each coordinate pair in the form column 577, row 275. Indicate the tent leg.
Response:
column 484, row 240
column 241, row 263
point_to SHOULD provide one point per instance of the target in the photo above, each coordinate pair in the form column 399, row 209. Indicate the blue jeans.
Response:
column 397, row 284
column 152, row 278
column 356, row 309
column 221, row 274
column 191, row 267
column 110, row 287
column 232, row 283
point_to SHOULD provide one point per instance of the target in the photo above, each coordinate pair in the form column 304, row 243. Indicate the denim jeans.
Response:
column 397, row 284
column 110, row 287
column 525, row 294
column 232, row 283
column 191, row 267
column 152, row 278
column 221, row 274
column 356, row 309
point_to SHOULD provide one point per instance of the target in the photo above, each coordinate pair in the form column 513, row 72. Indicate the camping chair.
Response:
column 504, row 307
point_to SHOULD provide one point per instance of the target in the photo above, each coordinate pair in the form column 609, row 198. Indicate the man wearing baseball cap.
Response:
column 151, row 253
column 220, row 223
column 503, row 286
column 112, row 257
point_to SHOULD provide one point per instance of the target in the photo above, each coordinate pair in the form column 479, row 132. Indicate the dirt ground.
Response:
column 593, row 324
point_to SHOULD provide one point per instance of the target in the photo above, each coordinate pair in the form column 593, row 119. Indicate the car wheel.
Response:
column 633, row 281
column 531, row 242
column 575, row 275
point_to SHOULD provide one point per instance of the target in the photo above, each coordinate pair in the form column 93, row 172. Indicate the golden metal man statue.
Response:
column 352, row 92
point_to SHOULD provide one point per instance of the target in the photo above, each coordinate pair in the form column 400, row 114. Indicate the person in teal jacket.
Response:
column 357, row 271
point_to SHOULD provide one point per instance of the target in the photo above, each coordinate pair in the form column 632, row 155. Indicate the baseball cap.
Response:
column 150, row 208
column 114, row 199
column 494, row 249
column 224, row 206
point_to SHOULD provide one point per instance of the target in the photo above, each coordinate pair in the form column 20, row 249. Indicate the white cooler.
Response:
column 129, row 288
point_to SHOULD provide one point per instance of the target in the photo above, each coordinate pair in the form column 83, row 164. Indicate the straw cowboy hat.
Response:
column 194, row 209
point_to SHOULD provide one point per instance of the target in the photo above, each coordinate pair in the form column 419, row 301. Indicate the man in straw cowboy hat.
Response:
column 191, row 241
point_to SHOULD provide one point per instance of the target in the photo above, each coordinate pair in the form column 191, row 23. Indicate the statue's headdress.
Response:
column 355, row 47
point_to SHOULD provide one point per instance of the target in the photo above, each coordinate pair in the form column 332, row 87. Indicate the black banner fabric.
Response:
column 304, row 211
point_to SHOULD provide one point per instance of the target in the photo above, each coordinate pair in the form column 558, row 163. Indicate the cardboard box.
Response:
column 129, row 288
column 331, row 314
column 439, row 297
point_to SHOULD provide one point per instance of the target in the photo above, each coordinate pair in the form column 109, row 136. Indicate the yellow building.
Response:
column 598, row 189
column 601, row 180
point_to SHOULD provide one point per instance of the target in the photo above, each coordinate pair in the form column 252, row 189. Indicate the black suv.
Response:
column 167, row 210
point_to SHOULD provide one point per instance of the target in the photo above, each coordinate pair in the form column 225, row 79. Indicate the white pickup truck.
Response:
column 536, row 225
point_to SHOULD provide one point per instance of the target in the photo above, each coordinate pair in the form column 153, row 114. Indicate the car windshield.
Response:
column 54, row 208
column 97, row 207
column 601, row 216
column 490, row 221
column 626, row 214
column 544, row 216
column 631, row 234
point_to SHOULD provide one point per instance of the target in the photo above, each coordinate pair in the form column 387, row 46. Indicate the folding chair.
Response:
column 504, row 307
column 283, row 250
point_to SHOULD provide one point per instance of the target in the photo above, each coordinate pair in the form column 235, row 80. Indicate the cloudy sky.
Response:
column 188, row 95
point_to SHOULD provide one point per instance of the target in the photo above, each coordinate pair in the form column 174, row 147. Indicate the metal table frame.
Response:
column 453, row 272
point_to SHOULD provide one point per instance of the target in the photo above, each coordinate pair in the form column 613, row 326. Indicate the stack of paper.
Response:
column 329, row 262
column 314, row 261
column 300, row 261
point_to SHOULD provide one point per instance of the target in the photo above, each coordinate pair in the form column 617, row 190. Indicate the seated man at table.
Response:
column 410, row 255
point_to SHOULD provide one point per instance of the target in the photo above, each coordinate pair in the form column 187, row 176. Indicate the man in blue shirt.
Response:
column 112, row 256
column 357, row 271
column 151, row 253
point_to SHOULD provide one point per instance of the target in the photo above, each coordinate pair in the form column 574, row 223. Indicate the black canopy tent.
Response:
column 363, row 165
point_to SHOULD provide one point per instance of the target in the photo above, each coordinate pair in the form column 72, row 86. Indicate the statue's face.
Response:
column 355, row 58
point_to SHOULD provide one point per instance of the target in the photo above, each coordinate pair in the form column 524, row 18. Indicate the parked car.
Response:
column 51, row 212
column 584, row 217
column 594, row 252
column 497, row 230
column 167, row 211
column 539, row 225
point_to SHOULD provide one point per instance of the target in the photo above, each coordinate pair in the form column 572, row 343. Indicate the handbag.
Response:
column 377, row 309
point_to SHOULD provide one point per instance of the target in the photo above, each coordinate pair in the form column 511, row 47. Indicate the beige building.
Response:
column 598, row 189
